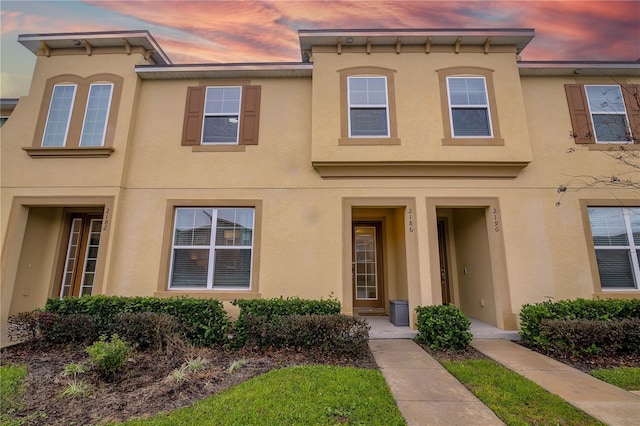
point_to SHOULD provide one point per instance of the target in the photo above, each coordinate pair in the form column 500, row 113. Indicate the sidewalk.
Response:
column 425, row 392
column 601, row 400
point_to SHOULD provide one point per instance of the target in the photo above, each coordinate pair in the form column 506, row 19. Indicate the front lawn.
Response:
column 317, row 395
column 627, row 378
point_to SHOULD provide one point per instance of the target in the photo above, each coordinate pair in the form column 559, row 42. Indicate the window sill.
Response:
column 369, row 141
column 208, row 294
column 473, row 142
column 64, row 152
column 613, row 146
column 218, row 148
column 617, row 294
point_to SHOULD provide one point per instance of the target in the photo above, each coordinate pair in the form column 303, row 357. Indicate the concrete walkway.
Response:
column 601, row 400
column 425, row 392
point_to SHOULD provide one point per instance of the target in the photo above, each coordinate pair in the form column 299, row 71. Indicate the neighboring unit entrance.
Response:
column 367, row 265
column 81, row 255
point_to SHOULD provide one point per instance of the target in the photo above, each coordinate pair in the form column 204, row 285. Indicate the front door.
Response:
column 444, row 262
column 367, row 265
column 81, row 255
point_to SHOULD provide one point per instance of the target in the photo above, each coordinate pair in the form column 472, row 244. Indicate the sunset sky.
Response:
column 260, row 31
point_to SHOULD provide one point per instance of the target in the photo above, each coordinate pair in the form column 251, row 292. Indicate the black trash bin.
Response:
column 399, row 312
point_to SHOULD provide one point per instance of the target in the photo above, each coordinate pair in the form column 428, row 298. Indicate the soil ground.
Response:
column 145, row 387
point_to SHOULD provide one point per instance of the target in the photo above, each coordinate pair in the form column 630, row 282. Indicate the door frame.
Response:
column 380, row 303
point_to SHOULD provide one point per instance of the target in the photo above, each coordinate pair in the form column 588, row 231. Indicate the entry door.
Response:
column 81, row 256
column 444, row 263
column 367, row 265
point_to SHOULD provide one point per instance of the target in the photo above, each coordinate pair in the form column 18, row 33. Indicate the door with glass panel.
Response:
column 81, row 254
column 367, row 265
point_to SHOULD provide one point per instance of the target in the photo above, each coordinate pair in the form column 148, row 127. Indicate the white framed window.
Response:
column 608, row 114
column 616, row 239
column 212, row 248
column 59, row 115
column 368, row 107
column 469, row 107
column 96, row 114
column 221, row 115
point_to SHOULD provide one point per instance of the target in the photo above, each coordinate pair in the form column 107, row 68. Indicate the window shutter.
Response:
column 250, row 115
column 193, row 113
column 579, row 111
column 631, row 94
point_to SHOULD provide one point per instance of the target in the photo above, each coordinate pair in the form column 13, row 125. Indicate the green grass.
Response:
column 11, row 378
column 304, row 395
column 515, row 399
column 627, row 378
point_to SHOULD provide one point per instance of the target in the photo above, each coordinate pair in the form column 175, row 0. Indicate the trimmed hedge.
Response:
column 443, row 327
column 337, row 335
column 531, row 316
column 278, row 307
column 582, row 338
column 205, row 321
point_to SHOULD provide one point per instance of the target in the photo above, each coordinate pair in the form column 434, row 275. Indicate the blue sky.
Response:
column 255, row 31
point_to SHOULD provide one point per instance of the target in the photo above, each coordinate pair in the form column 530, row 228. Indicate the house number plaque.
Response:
column 496, row 223
column 410, row 214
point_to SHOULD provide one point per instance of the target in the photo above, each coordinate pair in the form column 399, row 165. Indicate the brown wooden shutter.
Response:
column 193, row 113
column 631, row 95
column 579, row 111
column 250, row 115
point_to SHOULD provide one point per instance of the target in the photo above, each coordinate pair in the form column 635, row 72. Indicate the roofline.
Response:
column 519, row 37
column 226, row 70
column 33, row 41
column 587, row 68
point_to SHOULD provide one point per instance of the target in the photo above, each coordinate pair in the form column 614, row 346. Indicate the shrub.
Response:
column 75, row 328
column 337, row 335
column 23, row 326
column 277, row 307
column 205, row 320
column 584, row 338
column 443, row 327
column 531, row 316
column 148, row 330
column 109, row 357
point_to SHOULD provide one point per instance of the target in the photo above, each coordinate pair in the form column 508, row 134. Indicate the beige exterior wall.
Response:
column 515, row 244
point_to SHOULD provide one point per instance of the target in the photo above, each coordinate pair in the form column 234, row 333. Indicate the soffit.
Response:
column 142, row 38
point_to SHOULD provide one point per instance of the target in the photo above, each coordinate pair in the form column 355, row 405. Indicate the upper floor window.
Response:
column 469, row 110
column 616, row 239
column 469, row 107
column 368, row 110
column 77, row 116
column 221, row 115
column 604, row 113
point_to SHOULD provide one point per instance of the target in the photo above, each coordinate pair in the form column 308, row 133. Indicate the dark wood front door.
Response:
column 444, row 263
column 367, row 265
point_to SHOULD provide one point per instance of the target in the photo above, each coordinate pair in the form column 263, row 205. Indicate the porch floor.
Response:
column 382, row 328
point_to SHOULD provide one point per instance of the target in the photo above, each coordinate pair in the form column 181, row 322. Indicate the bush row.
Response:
column 337, row 335
column 205, row 321
column 532, row 316
column 443, row 327
column 583, row 338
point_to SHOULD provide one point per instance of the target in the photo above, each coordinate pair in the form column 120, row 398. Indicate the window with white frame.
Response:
column 221, row 115
column 368, row 107
column 469, row 107
column 212, row 248
column 616, row 238
column 96, row 114
column 59, row 116
column 608, row 113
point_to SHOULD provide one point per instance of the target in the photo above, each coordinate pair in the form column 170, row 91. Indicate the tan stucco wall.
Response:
column 538, row 250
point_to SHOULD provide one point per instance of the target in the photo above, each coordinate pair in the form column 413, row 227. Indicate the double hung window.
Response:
column 221, row 115
column 59, row 116
column 469, row 107
column 604, row 113
column 95, row 118
column 368, row 107
column 212, row 248
column 616, row 239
